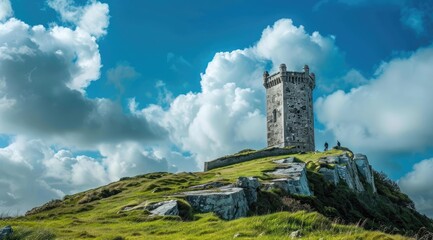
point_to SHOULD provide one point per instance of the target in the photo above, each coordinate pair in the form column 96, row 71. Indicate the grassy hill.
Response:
column 96, row 213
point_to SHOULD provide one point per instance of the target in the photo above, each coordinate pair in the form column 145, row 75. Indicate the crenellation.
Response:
column 290, row 108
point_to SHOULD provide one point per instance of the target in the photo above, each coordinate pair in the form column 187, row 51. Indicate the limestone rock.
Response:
column 166, row 208
column 294, row 179
column 345, row 176
column 250, row 185
column 348, row 173
column 228, row 203
column 330, row 175
column 365, row 170
column 295, row 234
column 5, row 232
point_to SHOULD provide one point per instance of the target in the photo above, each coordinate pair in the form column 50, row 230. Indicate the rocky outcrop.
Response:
column 365, row 169
column 330, row 175
column 166, row 208
column 5, row 232
column 349, row 171
column 226, row 202
column 251, row 187
column 293, row 177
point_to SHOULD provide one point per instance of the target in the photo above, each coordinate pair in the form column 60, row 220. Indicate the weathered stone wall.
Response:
column 275, row 112
column 289, row 107
column 229, row 160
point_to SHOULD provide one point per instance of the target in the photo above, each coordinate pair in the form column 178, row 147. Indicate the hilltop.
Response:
column 330, row 210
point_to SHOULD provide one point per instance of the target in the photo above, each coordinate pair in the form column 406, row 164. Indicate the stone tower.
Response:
column 289, row 107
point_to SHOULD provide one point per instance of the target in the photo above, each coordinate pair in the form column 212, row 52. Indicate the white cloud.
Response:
column 33, row 173
column 390, row 113
column 219, row 119
column 43, row 76
column 417, row 184
column 121, row 73
column 5, row 9
column 92, row 18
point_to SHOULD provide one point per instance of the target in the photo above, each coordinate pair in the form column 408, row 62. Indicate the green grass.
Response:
column 96, row 213
column 206, row 226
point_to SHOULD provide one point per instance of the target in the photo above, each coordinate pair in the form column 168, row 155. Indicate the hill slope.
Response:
column 101, row 213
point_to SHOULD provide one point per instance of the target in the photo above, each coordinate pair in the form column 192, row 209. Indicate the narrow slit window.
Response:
column 275, row 115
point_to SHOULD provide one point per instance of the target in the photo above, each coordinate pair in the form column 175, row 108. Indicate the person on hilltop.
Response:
column 326, row 146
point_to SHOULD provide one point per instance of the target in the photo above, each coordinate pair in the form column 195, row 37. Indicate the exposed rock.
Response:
column 295, row 234
column 330, row 160
column 365, row 169
column 228, row 203
column 5, row 232
column 349, row 174
column 294, row 179
column 251, row 186
column 165, row 208
column 345, row 176
column 330, row 175
column 344, row 158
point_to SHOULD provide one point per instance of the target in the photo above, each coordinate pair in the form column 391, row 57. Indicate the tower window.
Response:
column 274, row 113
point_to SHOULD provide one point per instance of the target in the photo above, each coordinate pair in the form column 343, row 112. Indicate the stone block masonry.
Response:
column 289, row 107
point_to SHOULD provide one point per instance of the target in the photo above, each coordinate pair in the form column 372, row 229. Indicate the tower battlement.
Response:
column 289, row 105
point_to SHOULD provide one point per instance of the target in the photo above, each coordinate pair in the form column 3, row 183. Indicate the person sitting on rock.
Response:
column 338, row 144
column 326, row 146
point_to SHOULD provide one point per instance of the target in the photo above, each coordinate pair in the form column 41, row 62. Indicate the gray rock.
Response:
column 166, row 208
column 251, row 186
column 344, row 158
column 227, row 203
column 330, row 175
column 345, row 176
column 349, row 174
column 5, row 232
column 296, row 234
column 330, row 160
column 365, row 170
column 294, row 179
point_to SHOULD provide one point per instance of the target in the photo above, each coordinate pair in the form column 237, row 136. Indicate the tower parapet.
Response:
column 289, row 105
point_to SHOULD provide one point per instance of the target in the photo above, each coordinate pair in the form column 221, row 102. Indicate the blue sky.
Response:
column 91, row 91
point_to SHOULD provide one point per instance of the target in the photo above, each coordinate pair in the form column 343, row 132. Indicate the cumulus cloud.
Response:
column 43, row 74
column 417, row 184
column 218, row 120
column 121, row 73
column 5, row 9
column 92, row 18
column 33, row 173
column 390, row 113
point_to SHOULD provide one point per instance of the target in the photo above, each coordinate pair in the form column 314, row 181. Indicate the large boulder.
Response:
column 330, row 175
column 227, row 202
column 5, row 232
column 166, row 208
column 365, row 170
column 293, row 179
column 251, row 186
column 348, row 173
